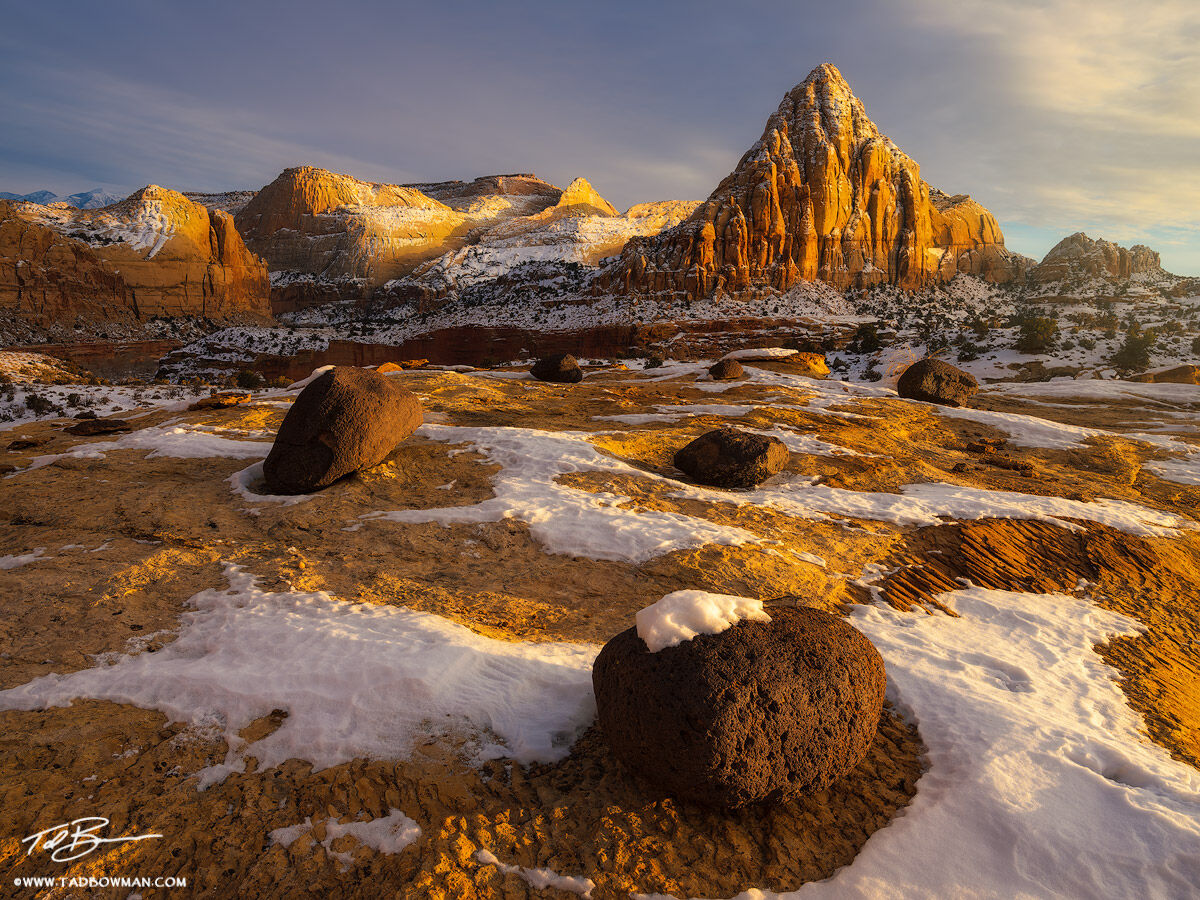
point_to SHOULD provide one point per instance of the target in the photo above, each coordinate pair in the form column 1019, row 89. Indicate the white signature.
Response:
column 71, row 840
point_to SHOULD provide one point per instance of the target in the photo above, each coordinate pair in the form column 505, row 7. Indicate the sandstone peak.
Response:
column 1080, row 255
column 823, row 194
column 581, row 199
column 306, row 191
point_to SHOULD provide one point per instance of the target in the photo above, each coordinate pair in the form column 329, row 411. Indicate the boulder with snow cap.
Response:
column 563, row 368
column 344, row 420
column 731, row 458
column 780, row 699
column 936, row 381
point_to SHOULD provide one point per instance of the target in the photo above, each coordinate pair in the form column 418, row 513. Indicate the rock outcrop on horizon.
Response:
column 523, row 254
column 1080, row 256
column 327, row 236
column 155, row 253
column 823, row 195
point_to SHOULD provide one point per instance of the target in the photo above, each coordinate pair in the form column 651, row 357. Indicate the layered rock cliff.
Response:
column 1080, row 256
column 538, row 253
column 156, row 253
column 329, row 236
column 822, row 195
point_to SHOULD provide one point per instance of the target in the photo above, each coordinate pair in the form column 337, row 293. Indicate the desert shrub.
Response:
column 866, row 339
column 1134, row 353
column 968, row 349
column 1036, row 333
column 249, row 379
column 38, row 405
column 1196, row 345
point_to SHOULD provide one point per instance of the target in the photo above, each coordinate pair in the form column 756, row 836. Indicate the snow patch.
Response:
column 357, row 680
column 388, row 834
column 565, row 519
column 540, row 879
column 682, row 615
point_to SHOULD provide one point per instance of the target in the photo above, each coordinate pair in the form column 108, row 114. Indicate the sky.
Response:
column 1057, row 115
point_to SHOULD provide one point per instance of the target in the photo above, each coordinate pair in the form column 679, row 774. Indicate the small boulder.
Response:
column 727, row 370
column 758, row 711
column 563, row 369
column 936, row 381
column 344, row 420
column 27, row 443
column 92, row 427
column 810, row 365
column 400, row 366
column 1187, row 374
column 730, row 458
column 221, row 400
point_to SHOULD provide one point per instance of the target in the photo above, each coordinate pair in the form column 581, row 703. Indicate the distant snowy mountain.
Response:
column 93, row 199
column 36, row 197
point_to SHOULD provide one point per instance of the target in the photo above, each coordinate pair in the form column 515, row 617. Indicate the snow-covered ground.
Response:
column 1040, row 781
column 973, row 325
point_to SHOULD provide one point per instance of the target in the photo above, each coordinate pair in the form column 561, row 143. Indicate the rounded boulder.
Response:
column 727, row 370
column 563, row 368
column 343, row 421
column 756, row 712
column 730, row 458
column 936, row 381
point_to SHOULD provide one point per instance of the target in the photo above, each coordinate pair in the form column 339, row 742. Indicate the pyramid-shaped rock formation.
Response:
column 822, row 195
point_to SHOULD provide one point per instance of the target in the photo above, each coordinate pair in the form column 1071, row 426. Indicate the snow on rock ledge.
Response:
column 761, row 353
column 682, row 615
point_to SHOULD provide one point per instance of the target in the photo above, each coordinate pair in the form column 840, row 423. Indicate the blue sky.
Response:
column 1058, row 115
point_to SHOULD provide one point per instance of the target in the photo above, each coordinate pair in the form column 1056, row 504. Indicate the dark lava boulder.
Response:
column 936, row 381
column 563, row 368
column 345, row 420
column 730, row 458
column 90, row 427
column 727, row 370
column 756, row 712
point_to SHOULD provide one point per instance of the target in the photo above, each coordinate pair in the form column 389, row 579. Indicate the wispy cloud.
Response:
column 1095, row 117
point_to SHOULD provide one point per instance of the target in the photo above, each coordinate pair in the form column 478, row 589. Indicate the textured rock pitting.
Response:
column 345, row 420
column 759, row 711
column 937, row 381
column 727, row 370
column 562, row 368
column 731, row 458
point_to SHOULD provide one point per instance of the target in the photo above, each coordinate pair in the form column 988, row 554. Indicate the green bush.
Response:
column 249, row 379
column 866, row 339
column 1037, row 334
column 1134, row 354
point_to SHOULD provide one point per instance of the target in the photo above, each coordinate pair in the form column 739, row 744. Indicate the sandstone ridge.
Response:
column 1080, row 256
column 823, row 195
column 155, row 253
